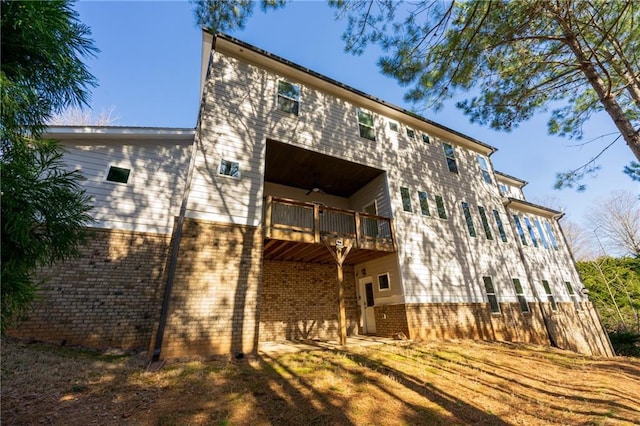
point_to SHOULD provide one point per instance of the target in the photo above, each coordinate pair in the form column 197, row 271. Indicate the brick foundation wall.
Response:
column 391, row 321
column 108, row 297
column 214, row 301
column 579, row 330
column 300, row 301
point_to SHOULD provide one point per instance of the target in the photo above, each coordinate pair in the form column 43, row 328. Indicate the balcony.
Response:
column 299, row 231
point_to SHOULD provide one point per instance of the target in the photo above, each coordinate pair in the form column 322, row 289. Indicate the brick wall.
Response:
column 300, row 301
column 391, row 321
column 214, row 301
column 579, row 330
column 108, row 297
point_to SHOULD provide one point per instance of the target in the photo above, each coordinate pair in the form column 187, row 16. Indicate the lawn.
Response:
column 392, row 383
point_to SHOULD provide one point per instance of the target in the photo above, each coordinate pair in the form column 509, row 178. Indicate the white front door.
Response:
column 366, row 306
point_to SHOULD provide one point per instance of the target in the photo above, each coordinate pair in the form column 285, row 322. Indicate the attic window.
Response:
column 229, row 168
column 425, row 138
column 288, row 97
column 393, row 126
column 118, row 174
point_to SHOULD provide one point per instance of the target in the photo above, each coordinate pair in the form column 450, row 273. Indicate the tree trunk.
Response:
column 630, row 135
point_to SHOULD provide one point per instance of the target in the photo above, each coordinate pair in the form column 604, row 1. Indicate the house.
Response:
column 301, row 208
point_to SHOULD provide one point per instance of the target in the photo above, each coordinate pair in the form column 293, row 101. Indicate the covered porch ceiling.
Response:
column 300, row 168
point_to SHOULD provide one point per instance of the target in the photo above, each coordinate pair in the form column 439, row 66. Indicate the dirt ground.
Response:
column 399, row 383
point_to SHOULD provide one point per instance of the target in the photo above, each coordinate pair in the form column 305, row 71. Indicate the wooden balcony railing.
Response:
column 292, row 220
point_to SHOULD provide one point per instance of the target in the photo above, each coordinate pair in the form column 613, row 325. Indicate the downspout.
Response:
column 175, row 247
column 177, row 234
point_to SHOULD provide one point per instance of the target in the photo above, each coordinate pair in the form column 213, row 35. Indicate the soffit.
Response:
column 525, row 206
column 301, row 168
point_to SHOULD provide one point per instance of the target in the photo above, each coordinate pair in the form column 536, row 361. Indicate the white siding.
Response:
column 437, row 260
column 151, row 198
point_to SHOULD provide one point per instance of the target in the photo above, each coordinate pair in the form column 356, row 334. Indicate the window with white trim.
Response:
column 503, row 234
column 424, row 203
column 491, row 295
column 117, row 174
column 411, row 133
column 573, row 295
column 550, row 298
column 532, row 233
column 484, row 168
column 288, row 97
column 406, row 199
column 468, row 219
column 365, row 124
column 543, row 239
column 450, row 156
column 524, row 305
column 383, row 282
column 425, row 138
column 442, row 212
column 229, row 168
column 516, row 220
column 393, row 125
column 485, row 223
column 552, row 238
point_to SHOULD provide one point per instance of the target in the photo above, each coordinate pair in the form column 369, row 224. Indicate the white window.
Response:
column 491, row 295
column 450, row 156
column 393, row 125
column 425, row 138
column 383, row 282
column 365, row 124
column 442, row 212
column 542, row 237
column 229, row 168
column 550, row 297
column 520, row 294
column 503, row 234
column 485, row 223
column 468, row 219
column 573, row 295
column 406, row 199
column 411, row 133
column 424, row 203
column 516, row 220
column 117, row 174
column 532, row 233
column 503, row 189
column 484, row 168
column 552, row 238
column 288, row 97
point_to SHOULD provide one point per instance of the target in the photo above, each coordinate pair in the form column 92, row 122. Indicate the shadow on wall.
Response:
column 299, row 301
column 108, row 297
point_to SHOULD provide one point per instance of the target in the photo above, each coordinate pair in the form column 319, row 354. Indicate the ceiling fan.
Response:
column 315, row 187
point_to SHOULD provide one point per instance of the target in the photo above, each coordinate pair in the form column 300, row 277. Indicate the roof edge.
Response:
column 531, row 207
column 329, row 80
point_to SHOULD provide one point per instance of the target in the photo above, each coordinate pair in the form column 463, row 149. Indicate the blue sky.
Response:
column 149, row 65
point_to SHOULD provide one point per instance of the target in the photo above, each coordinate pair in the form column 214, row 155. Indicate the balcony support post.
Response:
column 267, row 216
column 339, row 255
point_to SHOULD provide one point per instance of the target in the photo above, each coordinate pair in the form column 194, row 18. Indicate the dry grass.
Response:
column 402, row 383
